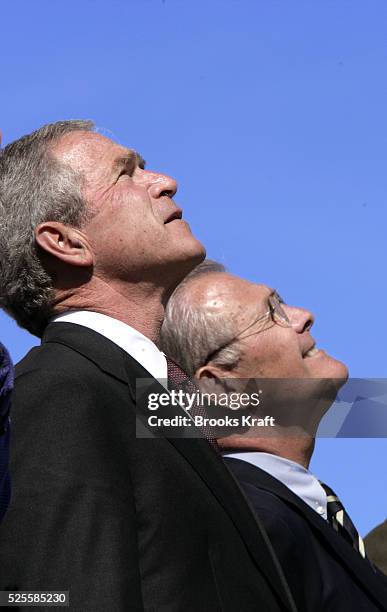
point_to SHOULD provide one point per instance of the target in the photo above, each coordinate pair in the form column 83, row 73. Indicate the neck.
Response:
column 139, row 305
column 299, row 449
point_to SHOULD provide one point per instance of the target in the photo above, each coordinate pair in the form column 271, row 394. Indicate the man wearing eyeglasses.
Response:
column 223, row 330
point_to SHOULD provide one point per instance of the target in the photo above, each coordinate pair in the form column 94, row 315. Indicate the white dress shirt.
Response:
column 126, row 337
column 293, row 475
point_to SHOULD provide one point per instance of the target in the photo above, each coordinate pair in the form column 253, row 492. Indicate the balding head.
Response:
column 198, row 320
column 243, row 328
column 223, row 294
column 206, row 315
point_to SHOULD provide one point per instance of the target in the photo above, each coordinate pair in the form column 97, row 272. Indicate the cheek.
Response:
column 280, row 356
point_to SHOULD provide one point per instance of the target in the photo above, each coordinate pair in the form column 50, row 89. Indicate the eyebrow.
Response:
column 130, row 159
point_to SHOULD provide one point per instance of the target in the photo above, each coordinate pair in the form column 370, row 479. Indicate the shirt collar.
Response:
column 293, row 475
column 126, row 337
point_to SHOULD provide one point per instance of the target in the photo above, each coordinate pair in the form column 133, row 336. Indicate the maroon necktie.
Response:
column 180, row 380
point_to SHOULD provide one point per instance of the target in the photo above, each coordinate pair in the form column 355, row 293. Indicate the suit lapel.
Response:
column 361, row 569
column 201, row 456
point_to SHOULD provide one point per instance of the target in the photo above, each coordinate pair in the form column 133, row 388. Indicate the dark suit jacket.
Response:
column 6, row 386
column 323, row 571
column 122, row 523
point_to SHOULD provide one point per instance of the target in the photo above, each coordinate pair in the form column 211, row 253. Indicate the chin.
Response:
column 338, row 369
column 328, row 383
column 183, row 262
column 192, row 253
column 328, row 367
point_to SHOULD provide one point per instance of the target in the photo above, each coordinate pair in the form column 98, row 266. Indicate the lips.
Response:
column 310, row 350
column 176, row 214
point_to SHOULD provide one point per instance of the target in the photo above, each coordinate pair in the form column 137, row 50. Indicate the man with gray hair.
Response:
column 91, row 247
column 231, row 334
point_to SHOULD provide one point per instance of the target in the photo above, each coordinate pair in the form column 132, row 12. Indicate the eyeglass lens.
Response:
column 278, row 313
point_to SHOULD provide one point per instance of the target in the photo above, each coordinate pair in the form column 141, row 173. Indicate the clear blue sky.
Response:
column 272, row 116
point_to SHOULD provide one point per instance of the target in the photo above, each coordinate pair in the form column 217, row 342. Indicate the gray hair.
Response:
column 190, row 334
column 34, row 187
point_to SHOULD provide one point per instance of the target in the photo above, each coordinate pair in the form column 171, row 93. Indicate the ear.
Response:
column 65, row 243
column 210, row 379
column 210, row 370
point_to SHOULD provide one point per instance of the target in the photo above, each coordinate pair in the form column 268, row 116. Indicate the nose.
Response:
column 301, row 319
column 161, row 185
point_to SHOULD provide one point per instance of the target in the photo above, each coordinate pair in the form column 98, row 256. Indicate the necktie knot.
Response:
column 334, row 504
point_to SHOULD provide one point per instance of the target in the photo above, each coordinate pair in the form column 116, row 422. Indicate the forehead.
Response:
column 89, row 152
column 225, row 291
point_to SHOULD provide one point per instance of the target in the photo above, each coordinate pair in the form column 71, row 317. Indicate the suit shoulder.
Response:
column 50, row 358
column 263, row 499
column 52, row 367
column 54, row 377
column 59, row 392
column 273, row 509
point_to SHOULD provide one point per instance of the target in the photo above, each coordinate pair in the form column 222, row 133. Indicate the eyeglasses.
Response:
column 275, row 312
